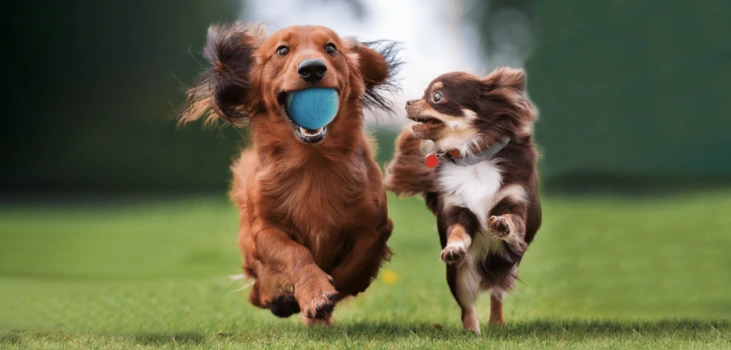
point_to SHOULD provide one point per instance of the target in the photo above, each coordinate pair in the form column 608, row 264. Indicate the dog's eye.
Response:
column 282, row 51
column 437, row 96
column 330, row 49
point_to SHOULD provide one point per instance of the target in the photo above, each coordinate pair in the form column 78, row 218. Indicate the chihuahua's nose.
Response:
column 410, row 102
column 312, row 70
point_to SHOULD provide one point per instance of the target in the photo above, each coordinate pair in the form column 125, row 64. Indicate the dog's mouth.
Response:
column 424, row 126
column 426, row 120
column 306, row 135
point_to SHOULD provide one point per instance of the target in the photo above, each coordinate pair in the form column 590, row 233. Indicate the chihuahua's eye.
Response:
column 437, row 96
column 330, row 49
column 282, row 50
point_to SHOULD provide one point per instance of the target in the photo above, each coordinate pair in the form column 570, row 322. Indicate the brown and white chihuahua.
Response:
column 480, row 179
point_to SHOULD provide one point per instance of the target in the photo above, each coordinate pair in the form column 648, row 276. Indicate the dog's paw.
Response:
column 454, row 254
column 284, row 305
column 321, row 307
column 500, row 225
column 314, row 322
column 317, row 296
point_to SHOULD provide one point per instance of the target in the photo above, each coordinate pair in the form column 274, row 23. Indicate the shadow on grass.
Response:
column 167, row 338
column 683, row 329
column 394, row 331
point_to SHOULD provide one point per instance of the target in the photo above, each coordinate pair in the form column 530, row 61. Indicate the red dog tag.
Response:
column 431, row 161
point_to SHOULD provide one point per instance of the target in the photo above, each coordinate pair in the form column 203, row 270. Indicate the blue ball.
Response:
column 313, row 108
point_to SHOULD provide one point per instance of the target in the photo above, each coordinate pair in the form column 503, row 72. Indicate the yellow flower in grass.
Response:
column 389, row 277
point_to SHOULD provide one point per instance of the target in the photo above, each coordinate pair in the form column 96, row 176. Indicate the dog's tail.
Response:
column 406, row 174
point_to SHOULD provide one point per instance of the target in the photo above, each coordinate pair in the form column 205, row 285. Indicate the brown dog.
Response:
column 314, row 224
column 484, row 184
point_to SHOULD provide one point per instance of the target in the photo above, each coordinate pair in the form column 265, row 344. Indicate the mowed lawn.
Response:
column 602, row 272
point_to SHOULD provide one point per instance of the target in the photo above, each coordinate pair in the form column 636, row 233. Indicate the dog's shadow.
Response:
column 394, row 331
column 160, row 339
column 540, row 329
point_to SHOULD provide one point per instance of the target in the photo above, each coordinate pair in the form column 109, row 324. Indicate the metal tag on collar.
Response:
column 432, row 160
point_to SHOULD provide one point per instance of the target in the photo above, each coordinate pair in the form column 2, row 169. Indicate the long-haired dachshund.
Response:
column 313, row 224
column 480, row 181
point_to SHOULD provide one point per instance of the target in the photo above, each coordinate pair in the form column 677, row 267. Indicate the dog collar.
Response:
column 456, row 157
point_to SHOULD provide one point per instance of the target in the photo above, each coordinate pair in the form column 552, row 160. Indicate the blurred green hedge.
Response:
column 627, row 91
column 95, row 85
column 633, row 92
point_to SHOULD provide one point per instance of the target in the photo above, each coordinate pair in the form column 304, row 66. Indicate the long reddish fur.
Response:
column 313, row 218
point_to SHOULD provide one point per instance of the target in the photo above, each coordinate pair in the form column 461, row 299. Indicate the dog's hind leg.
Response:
column 464, row 282
column 496, row 307
column 456, row 230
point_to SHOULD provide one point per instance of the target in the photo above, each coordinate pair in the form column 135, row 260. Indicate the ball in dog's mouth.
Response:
column 310, row 111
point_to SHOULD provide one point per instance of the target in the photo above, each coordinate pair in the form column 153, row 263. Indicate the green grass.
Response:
column 603, row 272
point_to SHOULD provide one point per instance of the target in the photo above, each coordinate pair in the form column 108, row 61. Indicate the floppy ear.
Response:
column 378, row 64
column 223, row 89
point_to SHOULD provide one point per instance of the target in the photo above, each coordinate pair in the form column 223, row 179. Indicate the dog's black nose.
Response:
column 409, row 102
column 312, row 70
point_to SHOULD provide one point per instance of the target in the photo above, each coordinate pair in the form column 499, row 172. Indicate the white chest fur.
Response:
column 474, row 187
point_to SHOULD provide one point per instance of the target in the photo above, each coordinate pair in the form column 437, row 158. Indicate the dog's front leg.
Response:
column 462, row 225
column 507, row 221
column 313, row 288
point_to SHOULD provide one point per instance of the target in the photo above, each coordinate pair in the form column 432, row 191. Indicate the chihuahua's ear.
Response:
column 379, row 64
column 222, row 90
column 507, row 78
column 504, row 94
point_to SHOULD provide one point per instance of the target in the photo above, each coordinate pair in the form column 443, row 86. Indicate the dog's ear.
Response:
column 379, row 64
column 504, row 94
column 507, row 78
column 222, row 90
